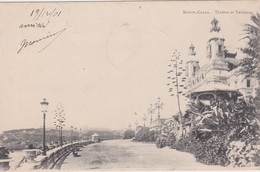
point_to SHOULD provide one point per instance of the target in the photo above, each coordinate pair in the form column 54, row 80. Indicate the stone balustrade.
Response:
column 52, row 158
column 4, row 164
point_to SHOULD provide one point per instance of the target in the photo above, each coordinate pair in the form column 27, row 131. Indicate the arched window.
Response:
column 194, row 70
column 219, row 48
column 209, row 50
column 248, row 83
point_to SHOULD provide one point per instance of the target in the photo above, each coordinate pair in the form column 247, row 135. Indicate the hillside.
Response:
column 21, row 138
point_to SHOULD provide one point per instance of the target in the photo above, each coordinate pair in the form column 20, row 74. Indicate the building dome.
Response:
column 192, row 54
column 215, row 30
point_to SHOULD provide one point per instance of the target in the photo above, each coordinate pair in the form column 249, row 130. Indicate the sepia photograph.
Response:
column 130, row 86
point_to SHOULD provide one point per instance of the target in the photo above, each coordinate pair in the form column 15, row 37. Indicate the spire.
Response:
column 214, row 27
column 192, row 50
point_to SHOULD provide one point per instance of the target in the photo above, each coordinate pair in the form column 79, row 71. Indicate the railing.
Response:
column 53, row 158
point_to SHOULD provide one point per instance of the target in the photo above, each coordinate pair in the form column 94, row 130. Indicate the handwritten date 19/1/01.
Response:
column 44, row 13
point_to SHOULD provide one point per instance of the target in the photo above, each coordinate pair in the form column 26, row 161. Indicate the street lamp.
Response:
column 80, row 134
column 61, row 126
column 44, row 110
column 71, row 134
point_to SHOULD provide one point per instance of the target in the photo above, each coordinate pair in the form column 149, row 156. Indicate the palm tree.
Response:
column 251, row 64
column 252, row 50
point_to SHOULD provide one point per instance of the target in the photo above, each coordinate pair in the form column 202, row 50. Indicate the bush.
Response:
column 160, row 142
column 216, row 127
column 4, row 153
column 30, row 146
column 212, row 151
column 142, row 134
column 243, row 154
column 171, row 139
column 129, row 134
column 151, row 136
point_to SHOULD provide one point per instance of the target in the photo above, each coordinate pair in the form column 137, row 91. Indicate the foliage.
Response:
column 257, row 101
column 170, row 140
column 129, row 134
column 160, row 142
column 142, row 134
column 225, row 130
column 30, row 146
column 152, row 136
column 4, row 153
column 216, row 126
column 21, row 138
column 242, row 154
column 250, row 64
column 177, row 78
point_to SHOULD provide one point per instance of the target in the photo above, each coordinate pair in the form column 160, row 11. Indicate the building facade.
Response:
column 220, row 75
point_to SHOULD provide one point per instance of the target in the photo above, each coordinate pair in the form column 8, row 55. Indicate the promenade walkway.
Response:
column 127, row 155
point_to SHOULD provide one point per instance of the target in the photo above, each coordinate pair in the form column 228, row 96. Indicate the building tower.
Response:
column 192, row 65
column 218, row 66
column 215, row 47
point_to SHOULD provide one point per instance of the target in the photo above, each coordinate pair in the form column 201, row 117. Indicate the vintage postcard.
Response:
column 136, row 86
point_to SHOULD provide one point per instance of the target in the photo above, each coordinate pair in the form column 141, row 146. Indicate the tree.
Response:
column 250, row 64
column 151, row 111
column 59, row 120
column 176, row 78
column 4, row 153
column 129, row 134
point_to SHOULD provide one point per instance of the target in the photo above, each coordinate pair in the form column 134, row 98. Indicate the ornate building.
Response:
column 219, row 76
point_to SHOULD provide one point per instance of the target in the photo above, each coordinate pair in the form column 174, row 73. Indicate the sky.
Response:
column 110, row 61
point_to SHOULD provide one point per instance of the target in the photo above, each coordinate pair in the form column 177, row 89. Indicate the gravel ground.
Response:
column 16, row 156
column 127, row 155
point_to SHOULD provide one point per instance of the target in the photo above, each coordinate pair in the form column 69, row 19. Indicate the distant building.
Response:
column 219, row 76
column 95, row 138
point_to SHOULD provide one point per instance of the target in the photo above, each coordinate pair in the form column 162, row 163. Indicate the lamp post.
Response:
column 76, row 133
column 71, row 134
column 61, row 126
column 44, row 110
column 80, row 134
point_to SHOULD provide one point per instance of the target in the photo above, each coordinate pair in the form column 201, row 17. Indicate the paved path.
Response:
column 16, row 157
column 127, row 155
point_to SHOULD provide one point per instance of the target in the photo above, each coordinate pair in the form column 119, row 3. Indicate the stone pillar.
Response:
column 4, row 164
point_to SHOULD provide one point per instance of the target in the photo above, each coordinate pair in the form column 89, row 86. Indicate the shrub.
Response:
column 142, row 134
column 151, row 136
column 129, row 134
column 30, row 146
column 170, row 139
column 4, row 153
column 160, row 142
column 215, row 128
